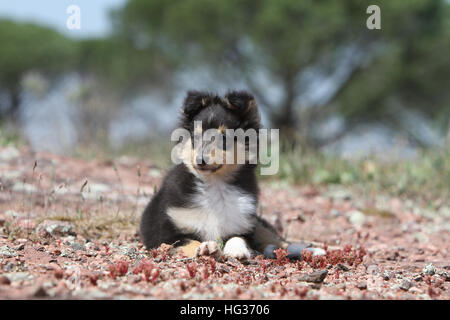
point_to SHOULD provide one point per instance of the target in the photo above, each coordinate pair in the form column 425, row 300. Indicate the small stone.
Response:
column 357, row 218
column 372, row 269
column 335, row 213
column 386, row 276
column 317, row 251
column 78, row 246
column 315, row 277
column 55, row 228
column 342, row 267
column 339, row 194
column 249, row 262
column 9, row 267
column 19, row 276
column 405, row 285
column 130, row 252
column 20, row 247
column 362, row 285
column 418, row 278
column 223, row 268
column 393, row 256
column 429, row 269
column 7, row 252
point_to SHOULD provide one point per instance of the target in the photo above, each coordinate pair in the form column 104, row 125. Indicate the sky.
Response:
column 94, row 14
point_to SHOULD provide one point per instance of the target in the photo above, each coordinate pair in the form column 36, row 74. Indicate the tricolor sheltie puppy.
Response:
column 202, row 204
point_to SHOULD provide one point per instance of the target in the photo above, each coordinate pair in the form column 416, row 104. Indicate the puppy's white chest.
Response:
column 219, row 210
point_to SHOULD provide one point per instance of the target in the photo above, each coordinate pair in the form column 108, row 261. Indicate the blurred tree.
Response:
column 370, row 74
column 122, row 67
column 28, row 47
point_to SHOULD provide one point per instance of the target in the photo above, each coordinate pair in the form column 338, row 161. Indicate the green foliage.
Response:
column 122, row 66
column 406, row 63
column 412, row 69
column 9, row 136
column 426, row 176
column 28, row 47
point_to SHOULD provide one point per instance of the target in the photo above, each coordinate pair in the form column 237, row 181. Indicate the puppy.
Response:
column 203, row 203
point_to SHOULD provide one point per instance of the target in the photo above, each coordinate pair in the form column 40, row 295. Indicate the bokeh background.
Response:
column 353, row 104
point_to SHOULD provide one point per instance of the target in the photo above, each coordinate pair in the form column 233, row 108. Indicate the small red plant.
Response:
column 122, row 267
column 433, row 293
column 118, row 269
column 112, row 271
column 362, row 252
column 192, row 269
column 263, row 265
column 281, row 256
column 93, row 278
column 347, row 248
column 212, row 265
column 307, row 256
column 205, row 272
column 146, row 267
column 155, row 274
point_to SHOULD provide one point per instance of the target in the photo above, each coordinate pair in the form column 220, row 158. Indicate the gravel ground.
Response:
column 68, row 231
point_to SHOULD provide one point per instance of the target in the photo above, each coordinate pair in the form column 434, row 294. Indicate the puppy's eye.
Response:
column 228, row 142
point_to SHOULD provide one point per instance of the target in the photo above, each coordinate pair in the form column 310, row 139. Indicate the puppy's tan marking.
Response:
column 189, row 249
column 222, row 128
column 251, row 104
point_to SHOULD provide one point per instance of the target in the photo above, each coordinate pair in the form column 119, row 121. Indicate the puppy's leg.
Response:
column 265, row 234
column 208, row 248
column 236, row 247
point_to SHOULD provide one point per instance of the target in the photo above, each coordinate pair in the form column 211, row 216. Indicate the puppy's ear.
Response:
column 244, row 104
column 240, row 101
column 194, row 102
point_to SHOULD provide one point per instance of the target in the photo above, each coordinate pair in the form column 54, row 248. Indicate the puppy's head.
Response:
column 214, row 149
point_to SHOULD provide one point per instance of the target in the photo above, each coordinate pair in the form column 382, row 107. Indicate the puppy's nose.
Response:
column 200, row 161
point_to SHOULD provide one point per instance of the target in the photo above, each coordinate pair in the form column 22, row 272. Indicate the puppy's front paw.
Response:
column 236, row 248
column 208, row 248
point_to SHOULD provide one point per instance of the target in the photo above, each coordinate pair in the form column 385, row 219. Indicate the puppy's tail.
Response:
column 265, row 234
